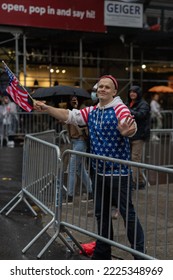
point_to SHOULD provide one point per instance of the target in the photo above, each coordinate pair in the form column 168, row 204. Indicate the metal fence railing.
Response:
column 167, row 119
column 159, row 149
column 39, row 173
column 26, row 123
column 153, row 207
column 44, row 178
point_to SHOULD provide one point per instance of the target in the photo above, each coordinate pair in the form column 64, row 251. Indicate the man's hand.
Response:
column 128, row 127
column 40, row 106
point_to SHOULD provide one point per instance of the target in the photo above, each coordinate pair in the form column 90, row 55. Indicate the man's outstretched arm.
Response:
column 57, row 113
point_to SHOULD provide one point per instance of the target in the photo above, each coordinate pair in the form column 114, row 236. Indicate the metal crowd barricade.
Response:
column 34, row 122
column 28, row 123
column 39, row 176
column 167, row 119
column 153, row 207
column 44, row 178
column 159, row 149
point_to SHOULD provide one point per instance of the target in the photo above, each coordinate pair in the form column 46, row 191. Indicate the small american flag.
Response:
column 18, row 94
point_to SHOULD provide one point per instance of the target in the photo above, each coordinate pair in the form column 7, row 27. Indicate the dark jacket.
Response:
column 141, row 112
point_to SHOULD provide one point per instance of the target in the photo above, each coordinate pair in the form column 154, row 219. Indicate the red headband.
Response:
column 112, row 78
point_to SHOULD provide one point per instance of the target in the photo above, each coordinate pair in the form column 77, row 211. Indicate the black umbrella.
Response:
column 60, row 91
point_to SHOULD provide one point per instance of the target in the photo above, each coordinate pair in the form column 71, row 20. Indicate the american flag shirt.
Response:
column 105, row 138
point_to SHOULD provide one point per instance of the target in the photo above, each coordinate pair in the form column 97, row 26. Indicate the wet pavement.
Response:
column 20, row 226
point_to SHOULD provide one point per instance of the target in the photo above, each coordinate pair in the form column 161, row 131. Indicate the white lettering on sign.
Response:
column 47, row 10
column 10, row 7
column 63, row 12
column 78, row 14
column 37, row 10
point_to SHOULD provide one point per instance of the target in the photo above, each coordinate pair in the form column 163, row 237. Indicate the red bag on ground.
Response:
column 88, row 248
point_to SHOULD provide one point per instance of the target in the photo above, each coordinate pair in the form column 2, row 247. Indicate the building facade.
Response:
column 64, row 42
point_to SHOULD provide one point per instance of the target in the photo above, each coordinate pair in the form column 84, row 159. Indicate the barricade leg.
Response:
column 37, row 236
column 48, row 245
column 21, row 198
column 63, row 239
column 11, row 201
column 64, row 229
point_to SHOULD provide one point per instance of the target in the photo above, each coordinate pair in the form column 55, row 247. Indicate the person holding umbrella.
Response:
column 110, row 125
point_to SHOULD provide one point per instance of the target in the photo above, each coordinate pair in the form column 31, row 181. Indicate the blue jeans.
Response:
column 134, row 229
column 75, row 167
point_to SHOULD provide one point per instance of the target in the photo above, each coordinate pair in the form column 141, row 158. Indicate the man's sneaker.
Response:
column 88, row 198
column 115, row 213
column 68, row 200
column 141, row 186
column 90, row 213
column 155, row 138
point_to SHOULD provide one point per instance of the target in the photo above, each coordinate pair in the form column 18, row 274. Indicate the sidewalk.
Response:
column 20, row 226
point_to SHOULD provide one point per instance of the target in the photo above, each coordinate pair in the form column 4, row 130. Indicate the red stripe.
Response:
column 122, row 111
column 85, row 112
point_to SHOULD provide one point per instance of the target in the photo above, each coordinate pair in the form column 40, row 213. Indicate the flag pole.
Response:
column 18, row 81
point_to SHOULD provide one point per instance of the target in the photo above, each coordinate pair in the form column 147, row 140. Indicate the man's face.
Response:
column 106, row 90
column 74, row 102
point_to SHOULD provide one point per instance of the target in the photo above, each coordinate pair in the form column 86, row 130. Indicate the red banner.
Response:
column 62, row 14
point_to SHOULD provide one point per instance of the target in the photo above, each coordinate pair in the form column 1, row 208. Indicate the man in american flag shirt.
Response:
column 110, row 124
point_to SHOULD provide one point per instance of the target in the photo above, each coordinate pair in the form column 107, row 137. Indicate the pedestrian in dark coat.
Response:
column 140, row 109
